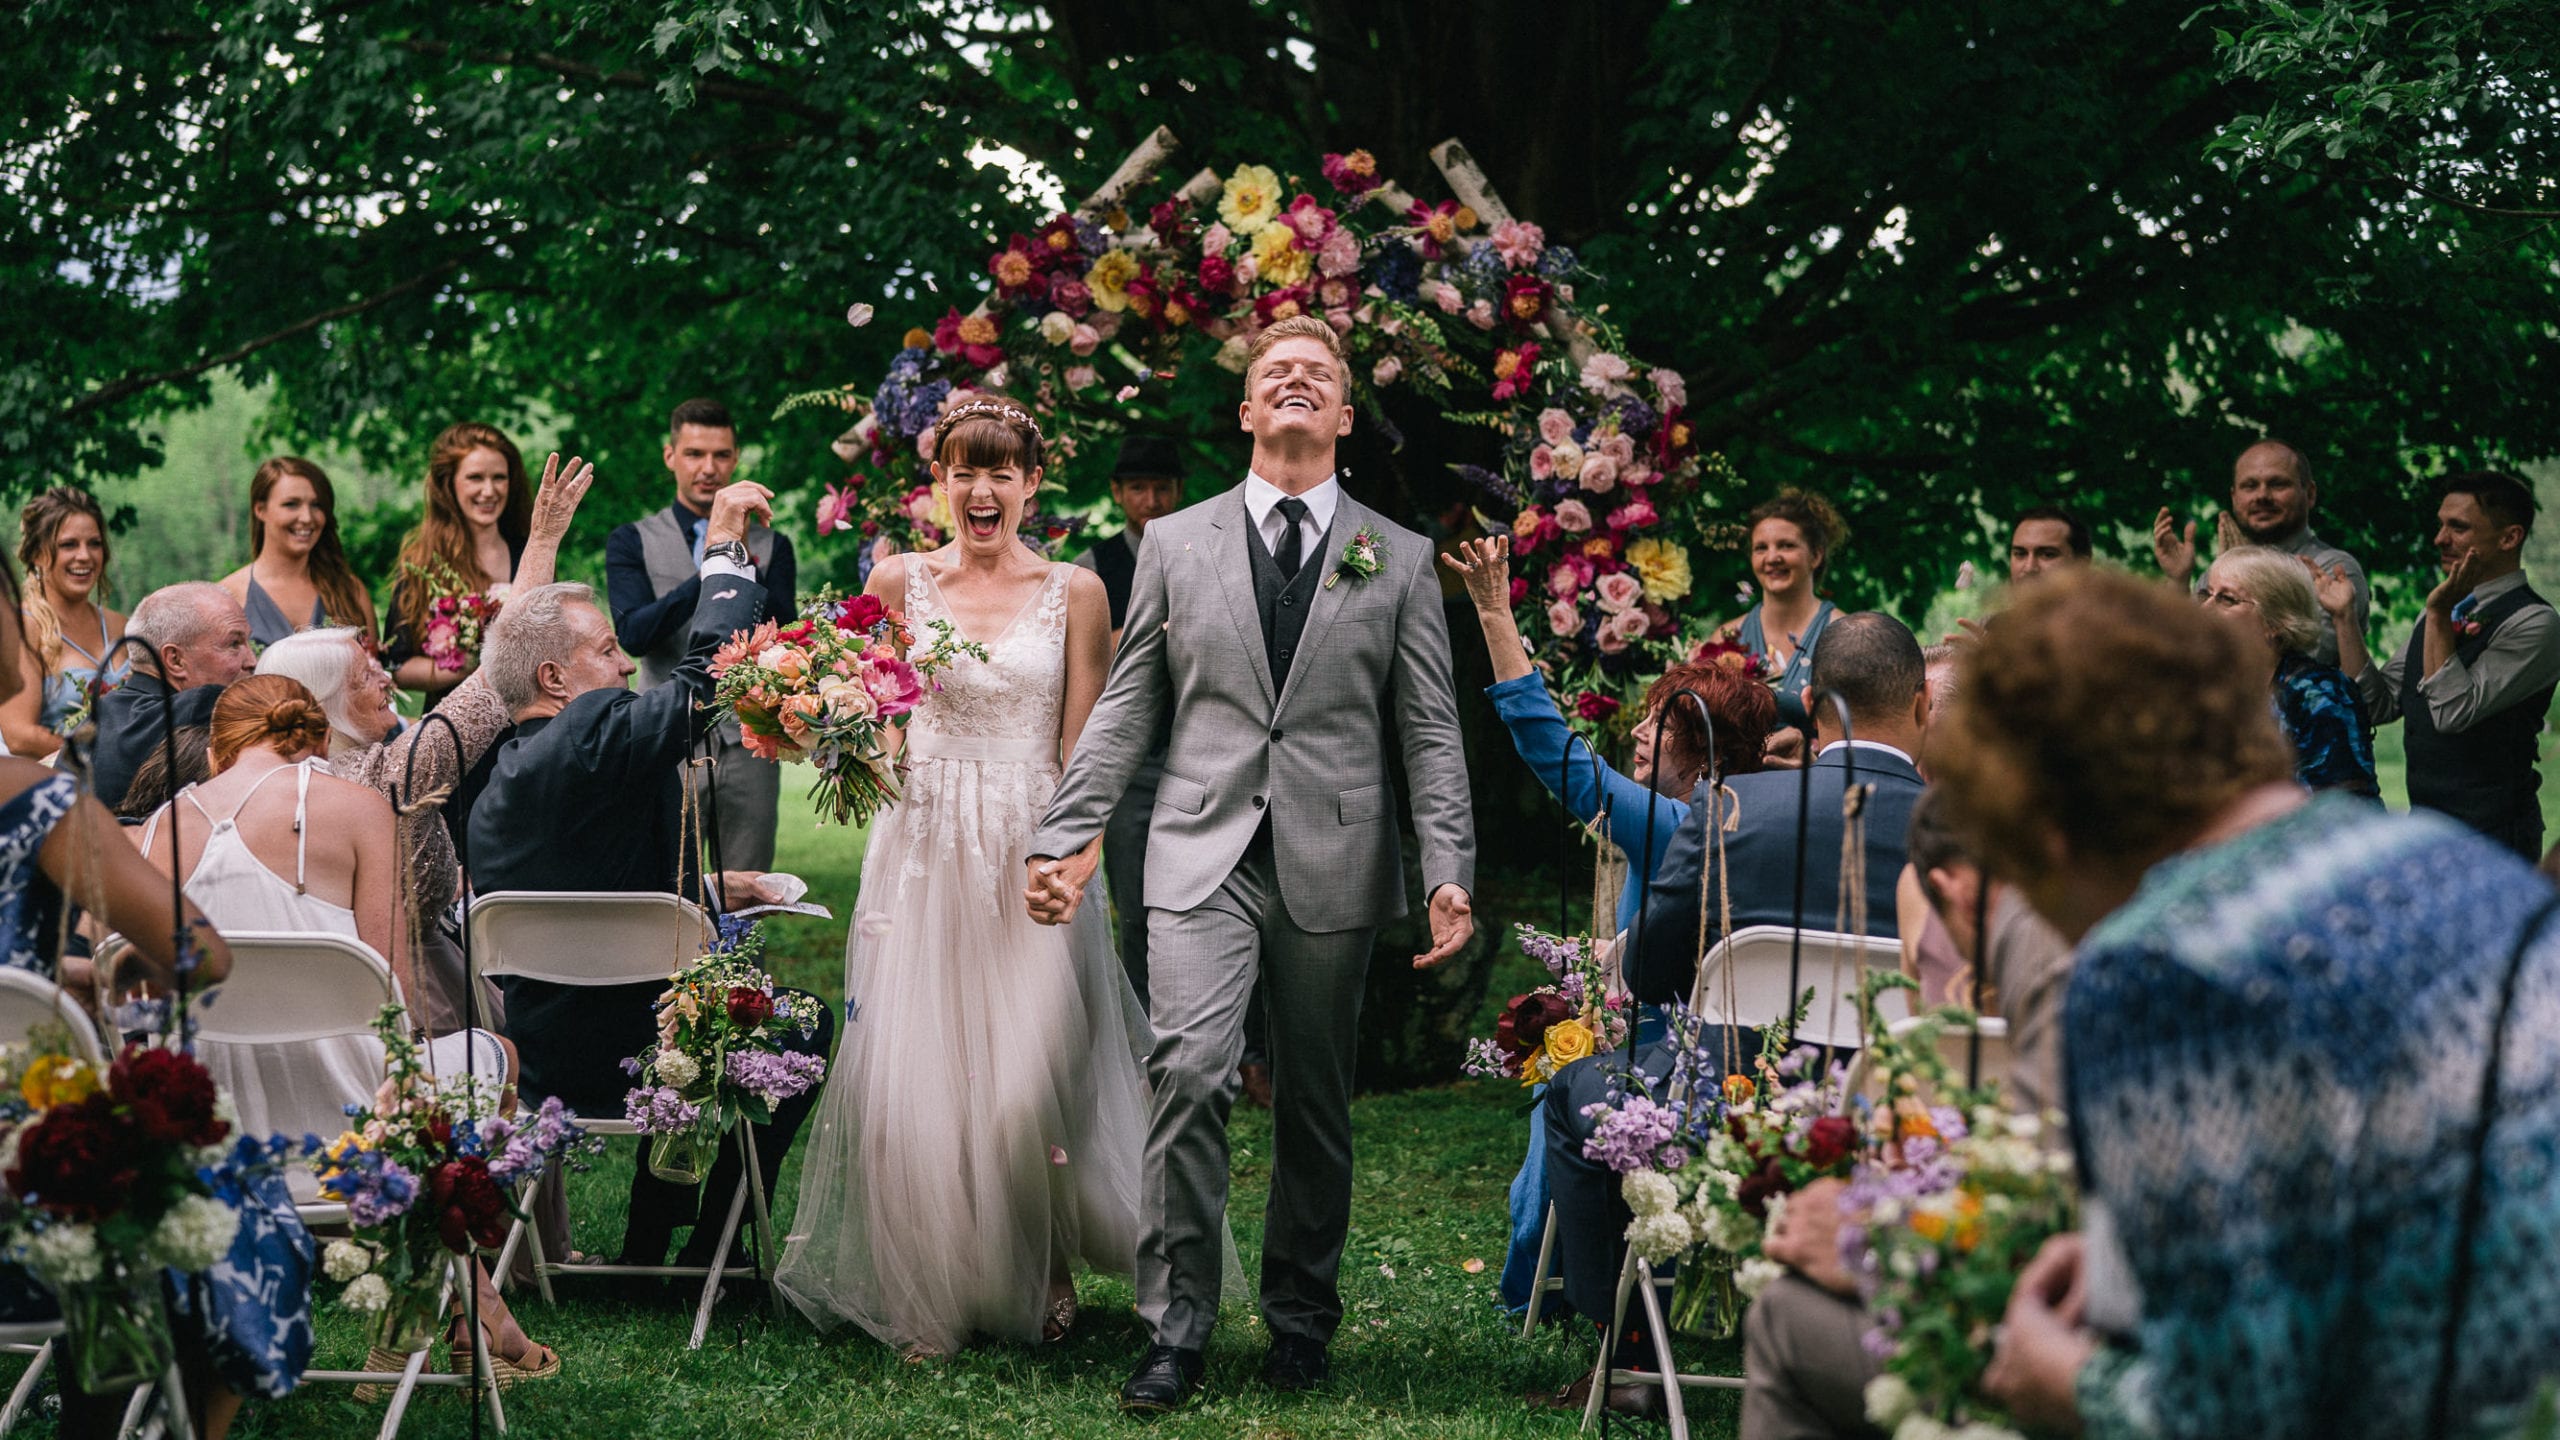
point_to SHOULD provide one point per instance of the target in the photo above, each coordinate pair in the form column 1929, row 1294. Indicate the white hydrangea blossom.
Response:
column 1731, row 1231
column 1650, row 1192
column 65, row 1254
column 1890, row 1400
column 194, row 1234
column 677, row 1069
column 1753, row 1275
column 1659, row 1237
column 368, row 1294
column 344, row 1260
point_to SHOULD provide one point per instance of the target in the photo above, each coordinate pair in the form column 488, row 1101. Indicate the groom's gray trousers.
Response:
column 1207, row 960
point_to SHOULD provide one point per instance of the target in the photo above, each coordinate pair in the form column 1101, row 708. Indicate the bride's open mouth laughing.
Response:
column 984, row 521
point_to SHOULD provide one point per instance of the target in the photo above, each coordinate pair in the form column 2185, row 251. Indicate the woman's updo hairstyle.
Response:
column 1809, row 512
column 989, row 432
column 271, row 712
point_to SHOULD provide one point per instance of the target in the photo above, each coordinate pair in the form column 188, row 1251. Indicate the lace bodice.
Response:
column 1018, row 693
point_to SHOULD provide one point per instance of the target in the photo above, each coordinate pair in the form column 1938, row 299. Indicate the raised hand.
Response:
column 2460, row 579
column 1453, row 923
column 734, row 508
column 556, row 503
column 2176, row 551
column 1486, row 567
column 2335, row 592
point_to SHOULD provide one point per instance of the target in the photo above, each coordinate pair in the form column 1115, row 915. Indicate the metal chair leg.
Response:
column 26, row 1387
column 1667, row 1368
column 1538, row 1281
column 769, row 1251
column 719, row 1265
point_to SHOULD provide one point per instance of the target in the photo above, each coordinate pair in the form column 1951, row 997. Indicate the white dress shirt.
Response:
column 1262, row 502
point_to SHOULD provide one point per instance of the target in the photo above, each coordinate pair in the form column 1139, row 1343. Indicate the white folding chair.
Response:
column 28, row 1000
column 290, row 989
column 593, row 937
column 1752, row 979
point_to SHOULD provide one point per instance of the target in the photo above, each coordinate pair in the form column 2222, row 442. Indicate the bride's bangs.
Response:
column 990, row 442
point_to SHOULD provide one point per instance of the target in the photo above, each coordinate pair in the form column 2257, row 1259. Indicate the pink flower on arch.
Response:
column 1554, row 426
column 1519, row 243
column 835, row 510
column 1309, row 222
column 1573, row 517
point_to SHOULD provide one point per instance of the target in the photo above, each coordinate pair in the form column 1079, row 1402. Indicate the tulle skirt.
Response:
column 985, row 1120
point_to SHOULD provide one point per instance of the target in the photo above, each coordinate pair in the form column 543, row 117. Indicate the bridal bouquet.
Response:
column 110, row 1179
column 827, row 689
column 1940, row 1220
column 430, row 1169
column 1556, row 1024
column 1706, row 1169
column 456, row 614
column 719, row 1060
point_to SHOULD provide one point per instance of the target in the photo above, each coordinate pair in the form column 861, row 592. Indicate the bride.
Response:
column 983, row 1124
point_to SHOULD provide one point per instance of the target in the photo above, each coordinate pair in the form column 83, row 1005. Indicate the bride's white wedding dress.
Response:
column 985, row 1120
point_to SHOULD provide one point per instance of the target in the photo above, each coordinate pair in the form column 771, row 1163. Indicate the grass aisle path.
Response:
column 1424, row 1351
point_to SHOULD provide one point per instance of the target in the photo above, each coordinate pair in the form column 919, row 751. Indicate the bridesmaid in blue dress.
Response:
column 1793, row 537
column 297, row 576
column 62, row 540
column 244, row 1328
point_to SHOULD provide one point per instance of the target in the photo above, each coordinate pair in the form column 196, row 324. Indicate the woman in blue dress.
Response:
column 1640, row 810
column 62, row 540
column 245, row 1327
column 1794, row 534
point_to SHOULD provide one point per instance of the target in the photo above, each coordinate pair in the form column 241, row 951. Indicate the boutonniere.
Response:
column 1363, row 556
column 2466, row 628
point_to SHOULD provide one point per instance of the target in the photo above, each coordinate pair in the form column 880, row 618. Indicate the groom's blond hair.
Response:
column 1296, row 327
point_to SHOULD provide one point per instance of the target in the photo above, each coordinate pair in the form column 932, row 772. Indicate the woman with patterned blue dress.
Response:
column 245, row 1326
column 71, row 636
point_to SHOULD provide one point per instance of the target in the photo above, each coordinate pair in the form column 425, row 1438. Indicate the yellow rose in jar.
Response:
column 1567, row 1041
column 57, row 1080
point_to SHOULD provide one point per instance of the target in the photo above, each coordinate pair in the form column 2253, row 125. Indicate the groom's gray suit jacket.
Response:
column 1312, row 757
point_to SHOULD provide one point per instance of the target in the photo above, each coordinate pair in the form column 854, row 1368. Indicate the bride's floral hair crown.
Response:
column 989, row 432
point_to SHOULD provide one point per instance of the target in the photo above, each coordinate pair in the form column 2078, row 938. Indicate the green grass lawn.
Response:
column 1424, row 1351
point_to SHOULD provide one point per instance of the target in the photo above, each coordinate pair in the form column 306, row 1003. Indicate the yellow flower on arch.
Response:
column 1251, row 199
column 1109, row 279
column 1662, row 566
column 1282, row 263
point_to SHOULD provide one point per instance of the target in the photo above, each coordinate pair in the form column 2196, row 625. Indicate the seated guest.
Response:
column 1872, row 662
column 2324, row 1213
column 588, row 794
column 154, row 782
column 2475, row 678
column 1642, row 811
column 2268, row 594
column 199, row 643
column 254, row 832
column 368, row 746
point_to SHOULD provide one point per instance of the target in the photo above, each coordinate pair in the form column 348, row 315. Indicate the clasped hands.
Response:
column 1056, row 889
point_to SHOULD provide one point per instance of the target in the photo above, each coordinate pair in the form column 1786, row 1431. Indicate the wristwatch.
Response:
column 733, row 551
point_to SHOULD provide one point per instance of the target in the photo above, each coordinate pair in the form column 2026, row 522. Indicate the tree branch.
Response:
column 2473, row 206
column 756, row 95
column 113, row 391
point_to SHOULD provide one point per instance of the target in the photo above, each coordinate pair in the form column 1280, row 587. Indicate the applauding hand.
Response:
column 2335, row 592
column 2175, row 550
column 2460, row 579
column 1453, row 923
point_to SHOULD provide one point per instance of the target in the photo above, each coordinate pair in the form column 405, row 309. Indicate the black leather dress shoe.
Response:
column 1162, row 1381
column 1296, row 1362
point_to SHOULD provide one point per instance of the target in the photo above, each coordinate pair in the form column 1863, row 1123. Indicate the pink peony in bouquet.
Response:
column 827, row 689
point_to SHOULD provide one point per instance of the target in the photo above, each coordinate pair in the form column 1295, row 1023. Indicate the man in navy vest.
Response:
column 2474, row 680
column 649, row 569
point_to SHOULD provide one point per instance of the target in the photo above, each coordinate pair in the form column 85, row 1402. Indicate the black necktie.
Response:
column 1291, row 552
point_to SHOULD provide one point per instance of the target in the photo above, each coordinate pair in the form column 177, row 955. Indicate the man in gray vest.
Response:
column 652, row 568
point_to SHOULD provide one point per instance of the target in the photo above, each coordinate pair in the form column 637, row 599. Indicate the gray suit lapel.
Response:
column 1231, row 520
column 1348, row 515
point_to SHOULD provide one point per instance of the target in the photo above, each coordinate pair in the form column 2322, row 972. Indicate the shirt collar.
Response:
column 2488, row 590
column 686, row 520
column 1878, row 746
column 1261, row 495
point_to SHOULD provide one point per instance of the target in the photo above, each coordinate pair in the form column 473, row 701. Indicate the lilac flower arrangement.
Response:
column 1583, row 1012
column 719, row 1057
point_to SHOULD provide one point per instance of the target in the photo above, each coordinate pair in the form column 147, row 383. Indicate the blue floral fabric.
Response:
column 2324, row 717
column 252, row 1311
column 2275, row 1054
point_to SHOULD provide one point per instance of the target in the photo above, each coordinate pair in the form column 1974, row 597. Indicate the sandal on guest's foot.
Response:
column 381, row 1362
column 509, row 1364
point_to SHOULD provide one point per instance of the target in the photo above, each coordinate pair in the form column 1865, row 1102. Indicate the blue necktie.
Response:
column 701, row 526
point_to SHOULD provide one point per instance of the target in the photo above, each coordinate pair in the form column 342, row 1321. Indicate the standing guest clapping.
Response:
column 297, row 574
column 2272, row 497
column 2268, row 594
column 650, row 582
column 62, row 540
column 479, row 515
column 2474, row 680
column 1793, row 538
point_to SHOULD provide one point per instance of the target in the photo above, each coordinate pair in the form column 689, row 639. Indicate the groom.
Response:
column 1277, row 650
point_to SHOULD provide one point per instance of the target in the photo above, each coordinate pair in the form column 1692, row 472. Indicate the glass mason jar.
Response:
column 683, row 1157
column 116, row 1329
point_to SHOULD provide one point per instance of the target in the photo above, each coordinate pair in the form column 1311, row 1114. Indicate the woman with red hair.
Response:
column 297, row 575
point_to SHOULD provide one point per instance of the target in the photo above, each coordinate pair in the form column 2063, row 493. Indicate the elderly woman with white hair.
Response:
column 340, row 670
column 2268, row 594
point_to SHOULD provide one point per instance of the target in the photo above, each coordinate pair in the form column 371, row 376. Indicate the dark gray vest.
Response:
column 1282, row 604
column 667, row 552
